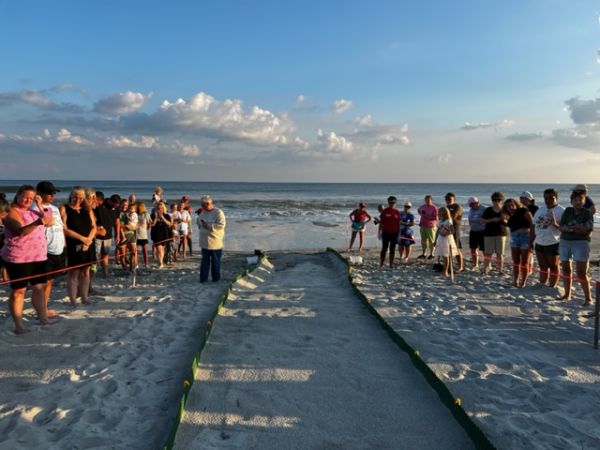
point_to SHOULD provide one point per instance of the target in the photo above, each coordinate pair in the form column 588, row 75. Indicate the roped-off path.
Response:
column 295, row 360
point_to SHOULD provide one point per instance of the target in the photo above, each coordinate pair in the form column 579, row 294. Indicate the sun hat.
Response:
column 472, row 200
column 526, row 194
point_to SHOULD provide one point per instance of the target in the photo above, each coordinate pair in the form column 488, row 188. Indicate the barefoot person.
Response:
column 141, row 234
column 407, row 221
column 80, row 229
column 55, row 237
column 25, row 254
column 576, row 226
column 159, row 231
column 456, row 214
column 359, row 217
column 476, row 235
column 429, row 213
column 546, row 235
column 211, row 222
column 494, row 239
column 520, row 223
column 4, row 210
column 445, row 245
column 390, row 230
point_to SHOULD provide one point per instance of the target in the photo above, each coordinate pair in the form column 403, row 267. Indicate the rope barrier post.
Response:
column 597, row 309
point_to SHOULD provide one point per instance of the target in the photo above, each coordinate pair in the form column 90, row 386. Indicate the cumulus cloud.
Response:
column 468, row 126
column 123, row 103
column 583, row 111
column 127, row 142
column 38, row 99
column 340, row 106
column 68, row 87
column 379, row 135
column 41, row 141
column 333, row 143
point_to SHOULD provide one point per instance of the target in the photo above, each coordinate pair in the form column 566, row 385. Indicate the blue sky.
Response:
column 301, row 91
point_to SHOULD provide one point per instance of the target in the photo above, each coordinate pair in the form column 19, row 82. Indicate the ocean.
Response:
column 277, row 216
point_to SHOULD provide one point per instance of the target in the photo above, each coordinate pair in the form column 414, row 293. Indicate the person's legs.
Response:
column 39, row 302
column 72, row 285
column 446, row 260
column 543, row 264
column 361, row 239
column 385, row 242
column 393, row 243
column 581, row 267
column 422, row 231
column 204, row 265
column 160, row 253
column 554, row 271
column 15, row 303
column 215, row 265
column 515, row 252
column 84, row 281
column 352, row 238
column 189, row 241
column 567, row 279
column 145, row 253
column 525, row 269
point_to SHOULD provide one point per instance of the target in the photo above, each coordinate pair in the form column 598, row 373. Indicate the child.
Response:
column 445, row 245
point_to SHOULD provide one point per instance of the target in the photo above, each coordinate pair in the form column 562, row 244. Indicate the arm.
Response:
column 369, row 217
column 13, row 223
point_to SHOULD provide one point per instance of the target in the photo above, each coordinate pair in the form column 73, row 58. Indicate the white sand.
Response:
column 522, row 363
column 296, row 361
column 107, row 375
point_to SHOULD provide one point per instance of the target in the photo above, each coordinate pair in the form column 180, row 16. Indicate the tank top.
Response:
column 78, row 221
column 23, row 249
column 518, row 221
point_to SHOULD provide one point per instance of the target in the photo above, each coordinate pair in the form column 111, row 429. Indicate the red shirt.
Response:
column 390, row 220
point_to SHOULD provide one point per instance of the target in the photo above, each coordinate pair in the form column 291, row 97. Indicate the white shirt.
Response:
column 55, row 235
column 546, row 234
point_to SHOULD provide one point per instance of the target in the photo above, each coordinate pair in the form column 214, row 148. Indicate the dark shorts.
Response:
column 547, row 250
column 57, row 262
column 142, row 241
column 389, row 240
column 16, row 271
column 476, row 240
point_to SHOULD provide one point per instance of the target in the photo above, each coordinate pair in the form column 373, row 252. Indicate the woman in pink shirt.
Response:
column 25, row 255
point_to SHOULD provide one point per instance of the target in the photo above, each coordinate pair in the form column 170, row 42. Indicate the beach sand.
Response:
column 110, row 375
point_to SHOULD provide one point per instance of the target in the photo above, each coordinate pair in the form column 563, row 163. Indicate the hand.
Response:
column 47, row 221
column 204, row 224
column 86, row 241
column 100, row 231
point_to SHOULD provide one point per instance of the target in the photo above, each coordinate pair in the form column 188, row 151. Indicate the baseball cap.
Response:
column 472, row 200
column 580, row 187
column 46, row 187
column 527, row 195
column 407, row 203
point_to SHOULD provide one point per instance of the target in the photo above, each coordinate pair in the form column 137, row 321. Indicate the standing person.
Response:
column 494, row 240
column 476, row 231
column 576, row 226
column 159, row 231
column 55, row 237
column 183, row 228
column 456, row 214
column 4, row 210
column 528, row 201
column 25, row 254
column 359, row 217
column 589, row 203
column 189, row 233
column 172, row 244
column 157, row 197
column 377, row 220
column 407, row 221
column 80, row 229
column 129, row 222
column 121, row 239
column 427, row 226
column 105, row 222
column 390, row 230
column 520, row 222
column 211, row 222
column 546, row 235
column 144, row 222
column 445, row 244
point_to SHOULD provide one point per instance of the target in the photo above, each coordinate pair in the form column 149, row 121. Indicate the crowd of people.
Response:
column 556, row 235
column 40, row 240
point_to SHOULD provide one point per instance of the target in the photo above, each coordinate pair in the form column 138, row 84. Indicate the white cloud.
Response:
column 65, row 135
column 124, row 141
column 300, row 100
column 333, row 143
column 468, row 126
column 123, row 103
column 441, row 158
column 339, row 106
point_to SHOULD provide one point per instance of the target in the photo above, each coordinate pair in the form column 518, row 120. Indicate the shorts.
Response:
column 476, row 240
column 103, row 247
column 519, row 239
column 142, row 242
column 494, row 245
column 16, row 271
column 547, row 250
column 579, row 251
column 427, row 234
column 56, row 263
column 130, row 238
column 358, row 226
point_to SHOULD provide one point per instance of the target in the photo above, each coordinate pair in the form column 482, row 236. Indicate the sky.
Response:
column 340, row 91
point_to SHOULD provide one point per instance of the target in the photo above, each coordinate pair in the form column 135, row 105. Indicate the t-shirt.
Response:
column 474, row 216
column 406, row 217
column 185, row 218
column 545, row 233
column 518, row 220
column 105, row 218
column 493, row 228
column 390, row 220
column 142, row 229
column 359, row 215
column 569, row 218
column 428, row 215
column 55, row 235
column 456, row 212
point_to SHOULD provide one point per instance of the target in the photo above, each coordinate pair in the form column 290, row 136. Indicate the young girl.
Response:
column 445, row 245
column 520, row 222
column 142, row 230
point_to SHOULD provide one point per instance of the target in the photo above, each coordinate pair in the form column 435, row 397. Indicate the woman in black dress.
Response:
column 159, row 233
column 80, row 229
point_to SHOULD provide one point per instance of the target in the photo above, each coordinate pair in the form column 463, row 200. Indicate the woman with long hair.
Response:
column 520, row 222
column 80, row 229
column 144, row 222
column 159, row 231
